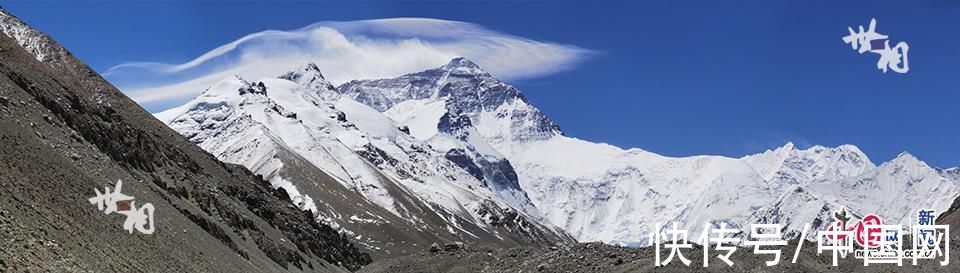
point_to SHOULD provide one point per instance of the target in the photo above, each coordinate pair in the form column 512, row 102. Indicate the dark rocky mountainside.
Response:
column 952, row 217
column 65, row 131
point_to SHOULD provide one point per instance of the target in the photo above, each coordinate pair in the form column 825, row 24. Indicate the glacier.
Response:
column 599, row 192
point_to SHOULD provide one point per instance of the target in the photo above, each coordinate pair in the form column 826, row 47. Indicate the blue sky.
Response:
column 674, row 77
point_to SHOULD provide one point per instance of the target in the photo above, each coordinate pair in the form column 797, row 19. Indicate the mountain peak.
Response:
column 304, row 72
column 906, row 158
column 308, row 75
column 789, row 146
column 461, row 62
column 905, row 155
column 463, row 65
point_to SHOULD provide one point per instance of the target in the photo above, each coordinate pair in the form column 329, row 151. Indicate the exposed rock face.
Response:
column 65, row 131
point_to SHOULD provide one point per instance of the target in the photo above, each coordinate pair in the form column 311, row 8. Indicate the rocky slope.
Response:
column 596, row 257
column 65, row 131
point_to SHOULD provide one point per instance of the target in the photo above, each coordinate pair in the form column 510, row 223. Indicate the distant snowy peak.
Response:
column 906, row 158
column 951, row 173
column 308, row 75
column 788, row 165
column 382, row 94
column 831, row 178
column 462, row 66
column 895, row 190
column 457, row 108
column 907, row 164
column 499, row 112
column 796, row 207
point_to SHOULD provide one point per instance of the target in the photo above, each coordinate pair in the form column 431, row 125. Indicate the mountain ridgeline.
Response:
column 458, row 125
column 598, row 192
column 65, row 131
column 356, row 169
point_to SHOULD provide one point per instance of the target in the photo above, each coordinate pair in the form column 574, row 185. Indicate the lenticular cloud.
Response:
column 345, row 51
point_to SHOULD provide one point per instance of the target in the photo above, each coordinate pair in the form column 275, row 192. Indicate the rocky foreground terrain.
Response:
column 64, row 131
column 597, row 257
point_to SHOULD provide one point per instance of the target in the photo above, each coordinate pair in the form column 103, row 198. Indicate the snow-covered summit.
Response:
column 279, row 126
column 895, row 190
column 309, row 77
column 464, row 66
column 458, row 108
column 498, row 111
column 788, row 165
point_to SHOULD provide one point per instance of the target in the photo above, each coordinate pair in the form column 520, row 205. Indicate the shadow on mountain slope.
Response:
column 65, row 131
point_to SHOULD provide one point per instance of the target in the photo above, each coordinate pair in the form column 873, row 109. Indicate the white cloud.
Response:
column 346, row 51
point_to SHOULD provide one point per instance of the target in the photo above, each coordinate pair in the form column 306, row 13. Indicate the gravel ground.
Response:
column 597, row 257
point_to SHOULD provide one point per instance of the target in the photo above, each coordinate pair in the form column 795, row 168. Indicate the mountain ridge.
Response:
column 364, row 151
column 68, row 131
column 590, row 188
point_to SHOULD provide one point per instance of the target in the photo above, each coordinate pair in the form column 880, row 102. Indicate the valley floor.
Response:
column 597, row 257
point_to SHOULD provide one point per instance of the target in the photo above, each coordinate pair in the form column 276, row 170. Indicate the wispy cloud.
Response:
column 345, row 51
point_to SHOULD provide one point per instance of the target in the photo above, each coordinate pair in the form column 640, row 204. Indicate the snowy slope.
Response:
column 788, row 165
column 796, row 207
column 894, row 190
column 456, row 109
column 951, row 173
column 499, row 112
column 299, row 113
column 599, row 192
column 595, row 191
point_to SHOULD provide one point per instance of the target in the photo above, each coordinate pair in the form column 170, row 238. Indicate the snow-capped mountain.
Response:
column 455, row 108
column 788, row 165
column 796, row 207
column 894, row 190
column 951, row 173
column 380, row 176
column 598, row 192
column 498, row 111
column 457, row 141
